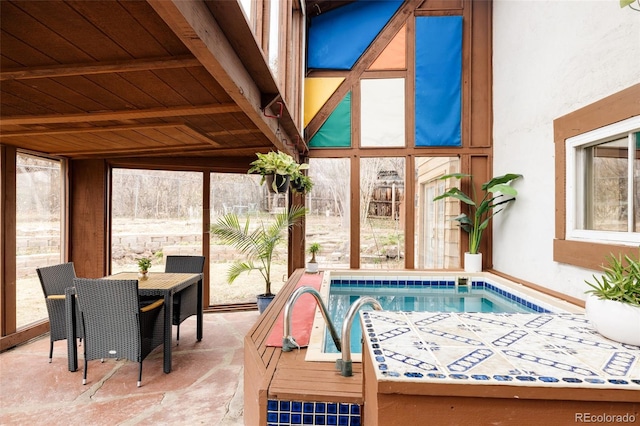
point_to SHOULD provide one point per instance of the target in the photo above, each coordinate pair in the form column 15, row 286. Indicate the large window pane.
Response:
column 38, row 231
column 154, row 214
column 381, row 213
column 437, row 235
column 328, row 217
column 606, row 186
column 243, row 196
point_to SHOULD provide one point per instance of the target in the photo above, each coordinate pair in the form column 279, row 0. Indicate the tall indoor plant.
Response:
column 496, row 192
column 613, row 304
column 258, row 245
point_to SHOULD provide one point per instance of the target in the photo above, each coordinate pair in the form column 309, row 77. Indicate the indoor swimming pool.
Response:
column 419, row 292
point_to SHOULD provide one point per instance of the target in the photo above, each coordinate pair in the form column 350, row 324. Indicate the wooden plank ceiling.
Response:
column 109, row 79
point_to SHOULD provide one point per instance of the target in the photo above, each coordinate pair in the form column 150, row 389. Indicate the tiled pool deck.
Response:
column 542, row 350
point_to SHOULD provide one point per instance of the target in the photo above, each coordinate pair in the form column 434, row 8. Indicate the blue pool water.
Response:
column 419, row 296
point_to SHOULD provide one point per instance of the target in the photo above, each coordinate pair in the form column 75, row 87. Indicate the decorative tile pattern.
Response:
column 541, row 350
column 286, row 413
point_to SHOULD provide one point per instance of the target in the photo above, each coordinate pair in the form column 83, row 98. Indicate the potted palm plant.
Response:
column 613, row 304
column 312, row 264
column 258, row 244
column 496, row 192
column 276, row 169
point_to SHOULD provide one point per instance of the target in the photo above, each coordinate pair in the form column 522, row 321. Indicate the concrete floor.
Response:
column 204, row 386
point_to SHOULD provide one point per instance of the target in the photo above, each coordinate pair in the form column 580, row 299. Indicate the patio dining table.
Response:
column 157, row 284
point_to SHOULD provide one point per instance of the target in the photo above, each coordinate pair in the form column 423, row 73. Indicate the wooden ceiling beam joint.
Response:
column 67, row 70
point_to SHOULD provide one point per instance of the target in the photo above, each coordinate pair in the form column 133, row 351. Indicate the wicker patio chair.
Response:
column 185, row 302
column 54, row 280
column 115, row 325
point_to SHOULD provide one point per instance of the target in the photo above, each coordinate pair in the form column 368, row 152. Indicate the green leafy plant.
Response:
column 625, row 3
column 144, row 264
column 496, row 192
column 313, row 249
column 620, row 280
column 257, row 244
column 275, row 163
column 300, row 182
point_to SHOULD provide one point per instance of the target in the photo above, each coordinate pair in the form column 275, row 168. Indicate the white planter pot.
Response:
column 473, row 262
column 615, row 320
column 312, row 267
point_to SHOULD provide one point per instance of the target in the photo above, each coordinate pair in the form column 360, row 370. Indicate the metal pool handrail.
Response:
column 288, row 342
column 345, row 364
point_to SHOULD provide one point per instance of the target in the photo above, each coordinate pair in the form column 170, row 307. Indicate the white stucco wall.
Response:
column 549, row 58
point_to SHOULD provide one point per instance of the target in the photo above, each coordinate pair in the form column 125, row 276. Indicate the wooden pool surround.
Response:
column 270, row 373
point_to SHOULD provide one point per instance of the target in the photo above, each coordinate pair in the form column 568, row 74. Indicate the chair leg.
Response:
column 140, row 375
column 51, row 352
column 84, row 374
column 178, row 335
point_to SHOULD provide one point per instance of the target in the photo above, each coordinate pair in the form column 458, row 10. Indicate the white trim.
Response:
column 575, row 191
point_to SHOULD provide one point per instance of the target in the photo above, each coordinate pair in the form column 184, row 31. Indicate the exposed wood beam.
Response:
column 237, row 132
column 237, row 162
column 67, row 70
column 121, row 115
column 193, row 23
column 76, row 130
column 114, row 152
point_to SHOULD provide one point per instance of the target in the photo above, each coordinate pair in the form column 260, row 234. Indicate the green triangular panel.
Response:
column 336, row 131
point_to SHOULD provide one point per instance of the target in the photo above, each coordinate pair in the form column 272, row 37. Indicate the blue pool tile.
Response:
column 284, row 418
column 285, row 406
column 355, row 409
column 320, row 407
column 296, row 419
column 272, row 405
column 307, row 419
column 332, row 420
column 343, row 420
column 272, row 417
column 320, row 420
column 296, row 406
column 344, row 408
column 332, row 408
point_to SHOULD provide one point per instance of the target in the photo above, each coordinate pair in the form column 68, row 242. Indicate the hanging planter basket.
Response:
column 278, row 183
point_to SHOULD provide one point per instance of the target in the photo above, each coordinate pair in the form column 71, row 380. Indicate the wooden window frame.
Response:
column 612, row 109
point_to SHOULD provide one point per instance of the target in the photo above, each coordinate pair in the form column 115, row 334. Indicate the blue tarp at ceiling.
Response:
column 438, row 80
column 339, row 37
